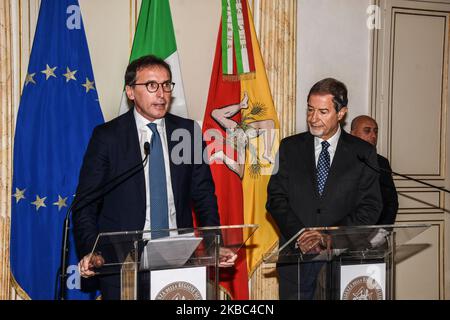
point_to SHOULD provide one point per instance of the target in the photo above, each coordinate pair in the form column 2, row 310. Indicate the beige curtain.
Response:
column 278, row 39
column 6, row 137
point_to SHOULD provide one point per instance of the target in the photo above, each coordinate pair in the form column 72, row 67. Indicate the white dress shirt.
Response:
column 145, row 135
column 333, row 141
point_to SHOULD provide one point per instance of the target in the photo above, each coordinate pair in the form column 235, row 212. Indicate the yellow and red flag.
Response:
column 241, row 129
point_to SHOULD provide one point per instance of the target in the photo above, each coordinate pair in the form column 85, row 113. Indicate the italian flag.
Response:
column 155, row 35
column 240, row 105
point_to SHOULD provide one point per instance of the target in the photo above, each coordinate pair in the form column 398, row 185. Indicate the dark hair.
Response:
column 144, row 62
column 334, row 87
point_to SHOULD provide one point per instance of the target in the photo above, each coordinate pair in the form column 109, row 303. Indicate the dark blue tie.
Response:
column 158, row 187
column 323, row 166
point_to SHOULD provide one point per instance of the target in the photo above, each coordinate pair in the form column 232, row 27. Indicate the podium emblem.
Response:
column 179, row 290
column 363, row 288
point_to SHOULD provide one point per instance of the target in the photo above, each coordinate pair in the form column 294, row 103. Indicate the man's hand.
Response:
column 313, row 242
column 88, row 263
column 226, row 258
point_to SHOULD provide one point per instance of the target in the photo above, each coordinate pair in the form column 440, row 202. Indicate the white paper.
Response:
column 169, row 252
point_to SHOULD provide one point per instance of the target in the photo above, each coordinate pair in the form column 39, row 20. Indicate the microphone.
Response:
column 364, row 160
column 84, row 196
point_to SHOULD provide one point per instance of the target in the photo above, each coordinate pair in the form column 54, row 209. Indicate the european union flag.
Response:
column 58, row 110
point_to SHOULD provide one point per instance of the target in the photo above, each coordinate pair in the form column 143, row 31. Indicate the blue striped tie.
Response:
column 323, row 166
column 158, row 186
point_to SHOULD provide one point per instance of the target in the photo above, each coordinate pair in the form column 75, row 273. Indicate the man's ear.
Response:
column 342, row 112
column 130, row 92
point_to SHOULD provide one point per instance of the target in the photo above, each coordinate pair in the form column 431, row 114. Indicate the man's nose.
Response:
column 160, row 91
column 313, row 116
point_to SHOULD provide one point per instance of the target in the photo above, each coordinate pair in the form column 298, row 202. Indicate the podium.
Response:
column 349, row 263
column 168, row 264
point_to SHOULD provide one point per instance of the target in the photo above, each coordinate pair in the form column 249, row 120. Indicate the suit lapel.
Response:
column 310, row 162
column 133, row 153
column 170, row 128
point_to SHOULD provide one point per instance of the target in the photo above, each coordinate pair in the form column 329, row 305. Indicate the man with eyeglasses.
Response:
column 163, row 194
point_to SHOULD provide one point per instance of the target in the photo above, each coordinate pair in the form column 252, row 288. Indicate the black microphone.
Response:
column 364, row 160
column 84, row 196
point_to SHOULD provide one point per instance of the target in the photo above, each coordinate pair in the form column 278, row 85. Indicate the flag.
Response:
column 259, row 169
column 237, row 56
column 58, row 110
column 155, row 35
column 241, row 130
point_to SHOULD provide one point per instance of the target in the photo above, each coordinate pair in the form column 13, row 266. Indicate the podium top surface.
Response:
column 374, row 241
column 169, row 248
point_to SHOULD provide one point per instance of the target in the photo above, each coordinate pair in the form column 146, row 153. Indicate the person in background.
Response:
column 366, row 128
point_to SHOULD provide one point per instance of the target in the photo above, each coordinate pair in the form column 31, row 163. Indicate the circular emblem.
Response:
column 179, row 290
column 363, row 288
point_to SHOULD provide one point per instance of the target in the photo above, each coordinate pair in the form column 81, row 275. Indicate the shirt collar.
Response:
column 143, row 122
column 333, row 141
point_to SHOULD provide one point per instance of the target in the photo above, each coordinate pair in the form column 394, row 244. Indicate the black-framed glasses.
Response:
column 153, row 86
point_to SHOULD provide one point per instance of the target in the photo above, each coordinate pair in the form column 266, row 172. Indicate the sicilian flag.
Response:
column 58, row 110
column 155, row 35
column 241, row 130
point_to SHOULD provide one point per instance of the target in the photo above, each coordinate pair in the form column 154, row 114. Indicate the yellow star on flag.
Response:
column 19, row 195
column 29, row 78
column 70, row 75
column 49, row 72
column 40, row 202
column 88, row 85
column 60, row 203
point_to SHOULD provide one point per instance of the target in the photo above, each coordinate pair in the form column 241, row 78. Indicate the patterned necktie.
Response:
column 158, row 186
column 323, row 166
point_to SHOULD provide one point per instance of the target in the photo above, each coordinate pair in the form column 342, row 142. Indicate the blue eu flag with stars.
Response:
column 58, row 110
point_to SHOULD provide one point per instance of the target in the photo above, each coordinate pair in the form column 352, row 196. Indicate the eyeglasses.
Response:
column 153, row 86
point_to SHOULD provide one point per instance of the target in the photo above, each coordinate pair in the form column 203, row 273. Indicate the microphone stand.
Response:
column 364, row 160
column 83, row 195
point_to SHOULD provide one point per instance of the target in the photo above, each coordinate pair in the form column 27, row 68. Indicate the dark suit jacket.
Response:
column 388, row 193
column 351, row 195
column 113, row 149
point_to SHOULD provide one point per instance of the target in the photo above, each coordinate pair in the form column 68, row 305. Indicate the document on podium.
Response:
column 168, row 252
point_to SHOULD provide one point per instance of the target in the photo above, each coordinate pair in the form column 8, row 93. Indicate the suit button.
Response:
column 318, row 211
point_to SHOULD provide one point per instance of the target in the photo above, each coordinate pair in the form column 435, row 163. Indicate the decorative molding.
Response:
column 421, row 200
column 421, row 204
column 441, row 128
column 440, row 249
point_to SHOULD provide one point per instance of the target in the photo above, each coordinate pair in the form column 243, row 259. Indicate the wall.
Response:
column 410, row 73
column 333, row 41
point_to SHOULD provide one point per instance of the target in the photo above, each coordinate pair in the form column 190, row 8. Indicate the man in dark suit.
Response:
column 159, row 196
column 366, row 128
column 321, row 181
